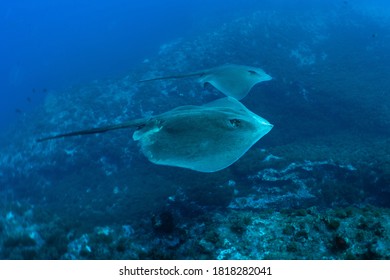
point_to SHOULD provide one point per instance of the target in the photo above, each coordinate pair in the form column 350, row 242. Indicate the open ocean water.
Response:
column 317, row 186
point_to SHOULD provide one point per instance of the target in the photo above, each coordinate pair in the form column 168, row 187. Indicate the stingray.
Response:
column 204, row 138
column 231, row 79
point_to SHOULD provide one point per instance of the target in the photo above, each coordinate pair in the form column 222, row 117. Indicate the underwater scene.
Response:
column 261, row 136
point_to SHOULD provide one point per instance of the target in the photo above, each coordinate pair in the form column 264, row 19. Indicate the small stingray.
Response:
column 232, row 80
column 204, row 138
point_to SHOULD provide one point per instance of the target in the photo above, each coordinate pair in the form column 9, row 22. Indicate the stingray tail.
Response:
column 139, row 123
column 201, row 73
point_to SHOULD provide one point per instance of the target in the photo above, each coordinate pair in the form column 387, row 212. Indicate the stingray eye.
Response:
column 235, row 122
column 252, row 72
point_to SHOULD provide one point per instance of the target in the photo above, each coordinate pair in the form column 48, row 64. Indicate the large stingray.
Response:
column 231, row 79
column 204, row 138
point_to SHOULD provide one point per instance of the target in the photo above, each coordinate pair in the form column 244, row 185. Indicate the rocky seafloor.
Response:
column 316, row 187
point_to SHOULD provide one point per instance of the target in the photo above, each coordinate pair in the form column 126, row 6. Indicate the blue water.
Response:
column 317, row 186
column 50, row 45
